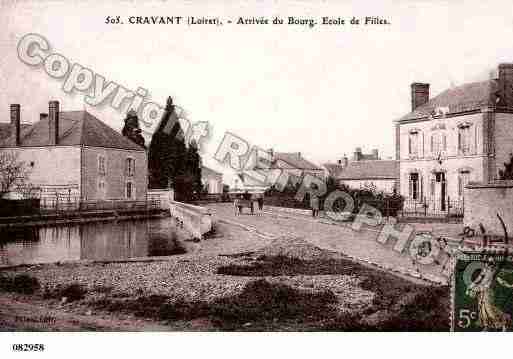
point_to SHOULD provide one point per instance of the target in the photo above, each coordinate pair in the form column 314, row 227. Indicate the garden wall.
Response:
column 483, row 201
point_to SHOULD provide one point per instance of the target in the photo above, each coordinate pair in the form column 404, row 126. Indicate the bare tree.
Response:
column 13, row 172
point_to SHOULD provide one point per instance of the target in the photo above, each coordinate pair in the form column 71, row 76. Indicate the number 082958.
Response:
column 28, row 347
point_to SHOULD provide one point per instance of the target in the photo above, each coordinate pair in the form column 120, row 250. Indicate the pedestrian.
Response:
column 236, row 207
column 261, row 203
column 314, row 204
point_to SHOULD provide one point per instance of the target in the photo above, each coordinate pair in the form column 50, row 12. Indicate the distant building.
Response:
column 283, row 165
column 463, row 134
column 211, row 180
column 359, row 156
column 73, row 153
column 366, row 171
column 295, row 164
column 378, row 174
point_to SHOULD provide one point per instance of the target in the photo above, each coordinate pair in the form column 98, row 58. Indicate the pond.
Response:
column 92, row 241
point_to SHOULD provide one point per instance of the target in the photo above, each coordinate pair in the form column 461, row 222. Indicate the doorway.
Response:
column 441, row 190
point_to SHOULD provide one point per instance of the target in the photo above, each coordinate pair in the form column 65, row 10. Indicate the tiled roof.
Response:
column 205, row 171
column 468, row 97
column 75, row 128
column 293, row 161
column 375, row 169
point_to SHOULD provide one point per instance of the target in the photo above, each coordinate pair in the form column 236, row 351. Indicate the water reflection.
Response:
column 95, row 241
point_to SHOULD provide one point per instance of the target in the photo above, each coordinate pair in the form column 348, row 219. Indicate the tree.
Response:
column 170, row 161
column 507, row 172
column 167, row 150
column 13, row 172
column 131, row 128
column 193, row 167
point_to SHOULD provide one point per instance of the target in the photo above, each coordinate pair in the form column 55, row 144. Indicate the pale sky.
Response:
column 321, row 91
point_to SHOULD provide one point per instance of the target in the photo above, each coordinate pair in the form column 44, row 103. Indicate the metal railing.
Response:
column 65, row 204
column 433, row 207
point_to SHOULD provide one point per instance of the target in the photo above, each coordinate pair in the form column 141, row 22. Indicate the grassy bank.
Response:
column 286, row 285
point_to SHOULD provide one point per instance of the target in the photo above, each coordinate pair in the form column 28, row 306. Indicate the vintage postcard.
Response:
column 255, row 166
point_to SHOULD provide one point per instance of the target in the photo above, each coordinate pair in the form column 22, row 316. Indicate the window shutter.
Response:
column 459, row 140
column 409, row 145
column 432, row 144
column 444, row 142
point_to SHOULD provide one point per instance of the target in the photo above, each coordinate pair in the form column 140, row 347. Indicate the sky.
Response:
column 321, row 91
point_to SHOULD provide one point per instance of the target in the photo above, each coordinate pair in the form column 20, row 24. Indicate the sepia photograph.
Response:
column 180, row 170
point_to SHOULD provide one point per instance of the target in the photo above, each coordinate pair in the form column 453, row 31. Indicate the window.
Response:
column 415, row 186
column 413, row 143
column 102, row 190
column 438, row 142
column 464, row 139
column 463, row 180
column 101, row 166
column 130, row 167
column 129, row 190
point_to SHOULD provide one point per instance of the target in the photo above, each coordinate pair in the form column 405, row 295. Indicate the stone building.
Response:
column 462, row 135
column 75, row 155
column 366, row 171
column 283, row 167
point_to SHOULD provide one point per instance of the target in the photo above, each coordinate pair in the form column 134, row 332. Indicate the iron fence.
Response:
column 433, row 207
column 49, row 205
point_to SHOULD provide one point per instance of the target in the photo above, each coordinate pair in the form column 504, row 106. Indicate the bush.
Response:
column 21, row 283
column 72, row 292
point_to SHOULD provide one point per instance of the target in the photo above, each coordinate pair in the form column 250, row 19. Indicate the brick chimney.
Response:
column 43, row 116
column 506, row 85
column 15, row 122
column 53, row 123
column 419, row 94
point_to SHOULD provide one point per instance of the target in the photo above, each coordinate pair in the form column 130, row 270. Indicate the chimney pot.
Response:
column 15, row 122
column 419, row 94
column 53, row 123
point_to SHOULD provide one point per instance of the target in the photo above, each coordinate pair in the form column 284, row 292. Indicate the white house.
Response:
column 463, row 134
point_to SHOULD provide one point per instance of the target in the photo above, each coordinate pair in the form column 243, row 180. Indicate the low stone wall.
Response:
column 304, row 212
column 195, row 219
column 483, row 201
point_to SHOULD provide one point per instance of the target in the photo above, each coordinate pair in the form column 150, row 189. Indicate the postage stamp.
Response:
column 482, row 291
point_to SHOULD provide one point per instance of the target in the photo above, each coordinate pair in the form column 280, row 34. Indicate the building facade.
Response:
column 366, row 171
column 282, row 168
column 74, row 155
column 463, row 135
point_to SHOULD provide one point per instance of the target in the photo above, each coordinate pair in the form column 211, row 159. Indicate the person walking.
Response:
column 314, row 204
column 260, row 203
